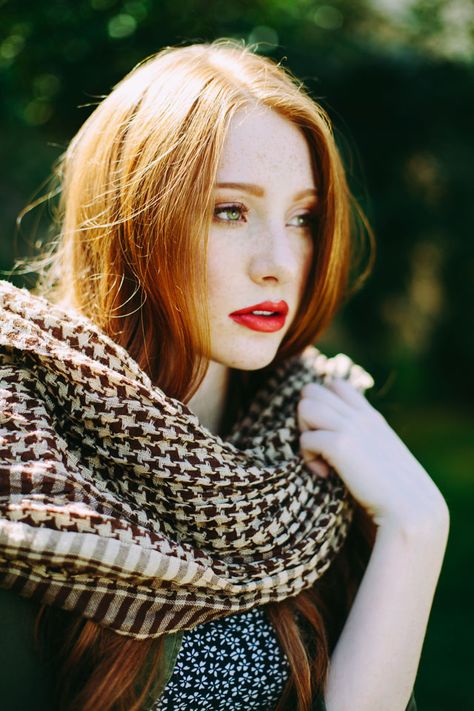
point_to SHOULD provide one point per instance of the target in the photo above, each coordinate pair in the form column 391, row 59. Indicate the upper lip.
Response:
column 281, row 307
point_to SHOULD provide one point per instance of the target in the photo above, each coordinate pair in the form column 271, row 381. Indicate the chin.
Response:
column 247, row 360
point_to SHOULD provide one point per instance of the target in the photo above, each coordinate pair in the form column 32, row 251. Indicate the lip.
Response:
column 259, row 322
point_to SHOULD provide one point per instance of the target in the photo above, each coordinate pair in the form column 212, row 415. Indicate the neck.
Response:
column 209, row 400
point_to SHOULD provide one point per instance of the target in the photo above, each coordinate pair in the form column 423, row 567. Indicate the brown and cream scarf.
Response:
column 115, row 502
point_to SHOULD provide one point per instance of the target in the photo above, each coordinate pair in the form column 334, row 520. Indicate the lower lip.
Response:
column 267, row 324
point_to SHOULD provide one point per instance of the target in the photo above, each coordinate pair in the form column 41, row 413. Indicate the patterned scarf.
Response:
column 116, row 503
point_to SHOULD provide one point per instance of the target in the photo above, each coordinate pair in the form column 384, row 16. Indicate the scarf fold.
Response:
column 116, row 503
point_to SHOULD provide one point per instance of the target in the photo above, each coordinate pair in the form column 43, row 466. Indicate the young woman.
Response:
column 199, row 510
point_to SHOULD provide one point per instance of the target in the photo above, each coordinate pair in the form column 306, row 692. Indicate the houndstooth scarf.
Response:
column 115, row 502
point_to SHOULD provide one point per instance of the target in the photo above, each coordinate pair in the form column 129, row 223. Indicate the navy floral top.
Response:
column 232, row 664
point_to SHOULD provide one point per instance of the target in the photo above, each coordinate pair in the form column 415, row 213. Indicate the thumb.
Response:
column 316, row 464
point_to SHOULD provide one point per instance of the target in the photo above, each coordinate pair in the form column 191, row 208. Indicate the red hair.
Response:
column 135, row 209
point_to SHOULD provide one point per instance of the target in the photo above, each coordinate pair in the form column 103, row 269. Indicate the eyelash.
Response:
column 228, row 207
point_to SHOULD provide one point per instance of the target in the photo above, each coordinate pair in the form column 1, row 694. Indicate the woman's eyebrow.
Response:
column 260, row 192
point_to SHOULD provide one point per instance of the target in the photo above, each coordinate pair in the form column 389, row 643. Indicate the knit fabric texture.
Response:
column 116, row 503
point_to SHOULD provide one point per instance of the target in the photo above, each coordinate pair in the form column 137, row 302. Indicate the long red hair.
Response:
column 136, row 188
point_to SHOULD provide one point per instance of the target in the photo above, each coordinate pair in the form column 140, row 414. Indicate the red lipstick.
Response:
column 267, row 316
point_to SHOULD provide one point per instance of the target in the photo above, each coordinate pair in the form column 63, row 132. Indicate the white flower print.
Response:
column 231, row 664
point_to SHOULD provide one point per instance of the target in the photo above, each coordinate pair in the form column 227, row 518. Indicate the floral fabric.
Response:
column 234, row 663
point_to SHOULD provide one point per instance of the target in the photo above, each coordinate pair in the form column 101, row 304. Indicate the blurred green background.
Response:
column 397, row 78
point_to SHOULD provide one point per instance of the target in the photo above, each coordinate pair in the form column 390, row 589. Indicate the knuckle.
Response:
column 378, row 415
column 373, row 416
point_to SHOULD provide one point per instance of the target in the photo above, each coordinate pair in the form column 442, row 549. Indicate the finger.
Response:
column 313, row 414
column 318, row 466
column 347, row 392
column 323, row 395
column 319, row 442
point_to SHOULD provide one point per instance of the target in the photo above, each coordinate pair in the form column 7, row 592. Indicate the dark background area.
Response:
column 397, row 78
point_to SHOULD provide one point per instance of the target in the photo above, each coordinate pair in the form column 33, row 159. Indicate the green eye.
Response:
column 229, row 213
column 305, row 219
column 232, row 213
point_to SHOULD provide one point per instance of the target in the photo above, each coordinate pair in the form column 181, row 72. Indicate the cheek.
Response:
column 221, row 266
column 306, row 260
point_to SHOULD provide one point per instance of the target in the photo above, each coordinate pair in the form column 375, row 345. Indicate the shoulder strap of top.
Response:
column 172, row 644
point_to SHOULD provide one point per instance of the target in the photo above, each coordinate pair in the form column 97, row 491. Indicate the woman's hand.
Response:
column 386, row 625
column 341, row 428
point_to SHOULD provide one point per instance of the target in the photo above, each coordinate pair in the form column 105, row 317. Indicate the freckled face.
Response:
column 260, row 243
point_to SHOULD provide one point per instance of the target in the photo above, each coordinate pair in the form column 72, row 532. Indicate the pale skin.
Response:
column 265, row 255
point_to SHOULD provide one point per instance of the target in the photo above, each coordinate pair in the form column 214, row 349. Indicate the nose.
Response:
column 275, row 257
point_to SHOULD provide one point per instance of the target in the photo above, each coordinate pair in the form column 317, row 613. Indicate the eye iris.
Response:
column 233, row 212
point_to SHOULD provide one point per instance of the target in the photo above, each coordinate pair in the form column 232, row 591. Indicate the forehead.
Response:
column 261, row 145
